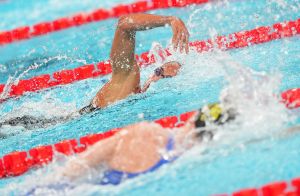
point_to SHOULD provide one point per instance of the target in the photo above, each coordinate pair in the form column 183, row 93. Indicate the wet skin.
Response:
column 125, row 78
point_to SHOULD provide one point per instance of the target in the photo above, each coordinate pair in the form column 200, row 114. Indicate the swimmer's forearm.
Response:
column 140, row 22
column 150, row 80
column 147, row 85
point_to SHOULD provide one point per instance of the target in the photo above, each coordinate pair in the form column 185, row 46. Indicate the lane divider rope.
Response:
column 235, row 40
column 19, row 162
column 280, row 188
column 43, row 28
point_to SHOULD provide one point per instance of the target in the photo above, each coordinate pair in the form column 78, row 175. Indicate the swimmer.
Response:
column 145, row 146
column 125, row 79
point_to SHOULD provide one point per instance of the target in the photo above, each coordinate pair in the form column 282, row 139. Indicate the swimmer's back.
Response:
column 133, row 146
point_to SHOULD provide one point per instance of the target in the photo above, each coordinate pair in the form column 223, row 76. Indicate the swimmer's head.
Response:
column 208, row 115
column 169, row 69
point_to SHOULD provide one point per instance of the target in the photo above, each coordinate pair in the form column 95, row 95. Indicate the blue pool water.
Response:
column 225, row 165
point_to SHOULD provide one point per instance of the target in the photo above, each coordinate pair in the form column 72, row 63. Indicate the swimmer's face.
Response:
column 171, row 68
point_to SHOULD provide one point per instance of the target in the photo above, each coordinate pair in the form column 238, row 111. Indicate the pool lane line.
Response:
column 43, row 28
column 279, row 188
column 240, row 39
column 19, row 162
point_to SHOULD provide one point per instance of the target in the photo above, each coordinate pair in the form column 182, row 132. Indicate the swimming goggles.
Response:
column 159, row 72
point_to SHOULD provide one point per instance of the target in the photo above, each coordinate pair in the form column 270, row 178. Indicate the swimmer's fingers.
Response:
column 184, row 43
column 187, row 36
column 181, row 42
column 180, row 35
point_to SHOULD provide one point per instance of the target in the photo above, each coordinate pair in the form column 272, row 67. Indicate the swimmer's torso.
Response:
column 119, row 87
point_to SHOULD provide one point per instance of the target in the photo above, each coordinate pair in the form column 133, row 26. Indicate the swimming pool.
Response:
column 229, row 165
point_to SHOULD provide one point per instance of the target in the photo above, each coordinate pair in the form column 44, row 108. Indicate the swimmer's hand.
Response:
column 180, row 34
column 152, row 78
column 139, row 22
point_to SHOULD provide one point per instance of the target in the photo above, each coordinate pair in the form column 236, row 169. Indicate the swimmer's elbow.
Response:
column 126, row 23
column 123, row 23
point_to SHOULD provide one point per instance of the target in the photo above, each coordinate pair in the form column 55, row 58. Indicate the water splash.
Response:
column 14, row 80
column 255, row 96
column 158, row 52
column 49, row 111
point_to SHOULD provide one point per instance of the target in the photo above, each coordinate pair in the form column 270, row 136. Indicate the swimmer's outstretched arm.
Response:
column 123, row 48
column 147, row 84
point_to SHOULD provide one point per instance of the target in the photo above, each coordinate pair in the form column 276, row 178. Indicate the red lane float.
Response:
column 273, row 189
column 296, row 184
column 17, row 163
column 42, row 28
column 291, row 98
column 2, row 169
column 21, row 33
column 235, row 40
column 246, row 192
column 168, row 122
column 66, row 147
column 41, row 155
